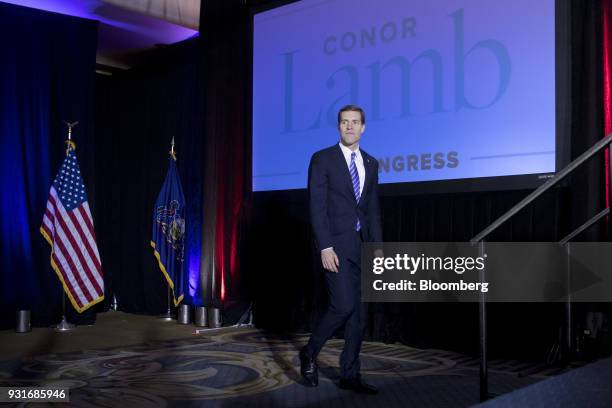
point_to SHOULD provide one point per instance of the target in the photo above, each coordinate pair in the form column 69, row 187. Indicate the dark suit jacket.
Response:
column 333, row 208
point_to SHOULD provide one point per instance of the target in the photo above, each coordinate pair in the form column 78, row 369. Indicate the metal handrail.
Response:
column 596, row 148
column 482, row 305
column 585, row 226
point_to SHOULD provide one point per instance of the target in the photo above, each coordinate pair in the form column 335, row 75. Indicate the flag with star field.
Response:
column 68, row 228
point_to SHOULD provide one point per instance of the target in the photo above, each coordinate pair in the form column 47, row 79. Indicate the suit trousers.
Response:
column 345, row 310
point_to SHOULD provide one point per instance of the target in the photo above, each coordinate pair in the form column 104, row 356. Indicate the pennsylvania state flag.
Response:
column 168, row 240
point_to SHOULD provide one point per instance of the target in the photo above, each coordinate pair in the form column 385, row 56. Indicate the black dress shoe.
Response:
column 309, row 370
column 357, row 385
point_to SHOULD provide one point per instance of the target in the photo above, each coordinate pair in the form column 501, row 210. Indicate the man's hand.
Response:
column 330, row 260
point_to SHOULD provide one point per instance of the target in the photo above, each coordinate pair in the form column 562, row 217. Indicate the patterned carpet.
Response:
column 247, row 368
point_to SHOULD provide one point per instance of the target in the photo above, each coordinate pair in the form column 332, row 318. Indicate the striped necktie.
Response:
column 355, row 180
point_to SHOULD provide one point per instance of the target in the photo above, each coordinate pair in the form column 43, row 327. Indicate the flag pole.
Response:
column 168, row 315
column 64, row 325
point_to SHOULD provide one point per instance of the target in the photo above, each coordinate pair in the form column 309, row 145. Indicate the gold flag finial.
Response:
column 69, row 142
column 172, row 153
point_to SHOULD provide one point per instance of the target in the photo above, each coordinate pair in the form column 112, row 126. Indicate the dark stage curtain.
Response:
column 606, row 6
column 196, row 91
column 288, row 288
column 46, row 76
column 225, row 29
column 137, row 113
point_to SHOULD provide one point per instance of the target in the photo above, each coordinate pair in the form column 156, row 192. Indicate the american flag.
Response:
column 68, row 227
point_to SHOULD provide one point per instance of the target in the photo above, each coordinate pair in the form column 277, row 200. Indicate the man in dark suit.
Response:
column 344, row 211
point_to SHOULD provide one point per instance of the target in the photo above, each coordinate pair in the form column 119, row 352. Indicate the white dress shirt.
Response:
column 358, row 162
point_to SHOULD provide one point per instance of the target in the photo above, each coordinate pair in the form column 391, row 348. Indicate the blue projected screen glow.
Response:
column 452, row 89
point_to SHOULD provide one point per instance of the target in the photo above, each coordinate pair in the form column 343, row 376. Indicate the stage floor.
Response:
column 130, row 360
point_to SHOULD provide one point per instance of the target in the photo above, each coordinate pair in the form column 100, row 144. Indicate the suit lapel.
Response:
column 368, row 173
column 343, row 168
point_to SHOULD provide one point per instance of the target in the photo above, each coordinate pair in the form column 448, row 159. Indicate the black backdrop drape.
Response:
column 137, row 114
column 46, row 76
column 197, row 91
column 225, row 50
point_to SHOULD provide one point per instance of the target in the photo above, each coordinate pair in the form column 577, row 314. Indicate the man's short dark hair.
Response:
column 351, row 108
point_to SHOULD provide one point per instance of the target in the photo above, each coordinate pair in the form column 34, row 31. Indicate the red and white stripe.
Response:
column 74, row 250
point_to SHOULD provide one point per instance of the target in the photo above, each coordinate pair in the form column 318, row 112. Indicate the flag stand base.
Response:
column 114, row 306
column 64, row 325
column 166, row 316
